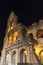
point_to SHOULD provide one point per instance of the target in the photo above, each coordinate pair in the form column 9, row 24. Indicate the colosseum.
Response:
column 22, row 44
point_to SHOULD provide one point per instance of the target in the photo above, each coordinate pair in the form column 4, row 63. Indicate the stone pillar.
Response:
column 33, row 58
column 31, row 53
column 18, row 56
column 28, row 55
column 10, row 57
column 3, row 58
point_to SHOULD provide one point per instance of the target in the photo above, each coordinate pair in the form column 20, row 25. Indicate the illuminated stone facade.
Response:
column 22, row 44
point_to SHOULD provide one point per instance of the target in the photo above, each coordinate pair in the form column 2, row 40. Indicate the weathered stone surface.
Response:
column 23, row 41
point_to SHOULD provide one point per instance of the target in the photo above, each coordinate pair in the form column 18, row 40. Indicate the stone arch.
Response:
column 14, row 52
column 39, row 33
column 14, row 58
column 31, row 35
column 7, row 57
column 41, row 56
column 23, row 56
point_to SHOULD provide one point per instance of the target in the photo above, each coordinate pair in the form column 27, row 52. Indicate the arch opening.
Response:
column 23, row 56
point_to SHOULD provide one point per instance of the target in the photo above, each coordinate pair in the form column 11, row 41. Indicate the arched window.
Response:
column 41, row 56
column 10, row 39
column 39, row 33
column 7, row 58
column 15, row 35
column 12, row 25
column 14, row 58
column 23, row 56
column 31, row 35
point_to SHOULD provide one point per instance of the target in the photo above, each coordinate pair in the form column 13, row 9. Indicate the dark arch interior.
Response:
column 39, row 33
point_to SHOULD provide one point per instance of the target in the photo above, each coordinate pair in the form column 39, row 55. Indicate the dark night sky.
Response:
column 28, row 11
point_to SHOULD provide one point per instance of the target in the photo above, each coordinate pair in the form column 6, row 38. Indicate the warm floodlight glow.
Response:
column 38, row 48
column 9, row 29
column 15, row 36
column 10, row 39
column 14, row 39
column 6, row 42
column 16, row 33
column 12, row 26
column 25, row 52
column 42, row 54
